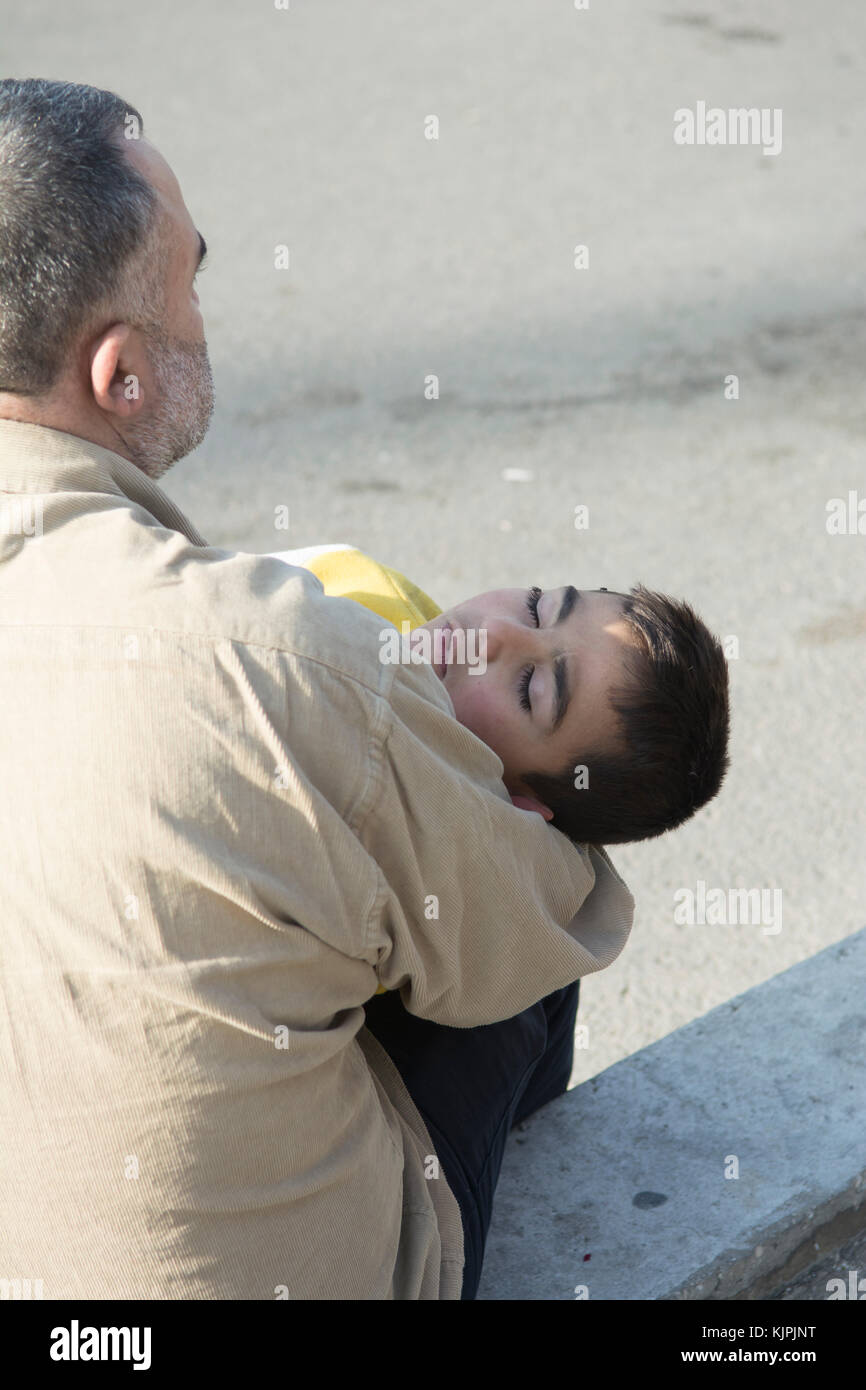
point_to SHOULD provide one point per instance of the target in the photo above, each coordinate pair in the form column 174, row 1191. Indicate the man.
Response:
column 224, row 824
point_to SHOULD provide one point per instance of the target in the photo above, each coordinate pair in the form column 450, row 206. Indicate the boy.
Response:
column 608, row 711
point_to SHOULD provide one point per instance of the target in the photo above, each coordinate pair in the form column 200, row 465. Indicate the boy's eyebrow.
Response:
column 560, row 669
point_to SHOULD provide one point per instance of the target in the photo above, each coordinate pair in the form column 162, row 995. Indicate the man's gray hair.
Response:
column 75, row 215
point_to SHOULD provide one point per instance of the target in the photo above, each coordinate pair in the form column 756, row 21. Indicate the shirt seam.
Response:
column 206, row 637
column 380, row 733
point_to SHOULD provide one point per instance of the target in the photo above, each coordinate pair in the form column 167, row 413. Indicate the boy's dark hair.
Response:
column 674, row 719
column 73, row 214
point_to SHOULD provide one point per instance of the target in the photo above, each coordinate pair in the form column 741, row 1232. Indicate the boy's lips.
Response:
column 441, row 638
column 441, row 667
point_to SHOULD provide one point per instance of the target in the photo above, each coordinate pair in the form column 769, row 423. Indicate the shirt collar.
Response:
column 38, row 459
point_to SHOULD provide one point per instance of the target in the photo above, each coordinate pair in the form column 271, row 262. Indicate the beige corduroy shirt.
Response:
column 224, row 823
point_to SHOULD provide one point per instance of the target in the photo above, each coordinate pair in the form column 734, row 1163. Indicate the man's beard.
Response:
column 179, row 420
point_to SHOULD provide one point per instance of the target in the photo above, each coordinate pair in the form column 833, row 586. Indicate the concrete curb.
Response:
column 617, row 1190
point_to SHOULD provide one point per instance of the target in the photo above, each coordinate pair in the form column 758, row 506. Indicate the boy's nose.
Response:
column 506, row 637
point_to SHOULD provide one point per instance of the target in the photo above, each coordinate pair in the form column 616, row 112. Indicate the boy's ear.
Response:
column 529, row 803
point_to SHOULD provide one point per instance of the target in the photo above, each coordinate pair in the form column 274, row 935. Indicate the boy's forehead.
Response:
column 605, row 646
column 605, row 609
column 616, row 639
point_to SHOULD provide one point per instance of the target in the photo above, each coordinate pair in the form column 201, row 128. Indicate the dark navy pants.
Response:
column 471, row 1086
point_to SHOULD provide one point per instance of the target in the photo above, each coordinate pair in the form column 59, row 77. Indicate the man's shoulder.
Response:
column 150, row 576
column 261, row 601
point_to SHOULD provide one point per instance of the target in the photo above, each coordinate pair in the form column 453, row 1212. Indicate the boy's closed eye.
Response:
column 550, row 659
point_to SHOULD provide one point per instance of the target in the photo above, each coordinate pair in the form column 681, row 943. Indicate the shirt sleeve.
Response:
column 483, row 908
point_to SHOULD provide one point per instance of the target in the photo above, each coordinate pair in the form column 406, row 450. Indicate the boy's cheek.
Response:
column 469, row 704
column 484, row 718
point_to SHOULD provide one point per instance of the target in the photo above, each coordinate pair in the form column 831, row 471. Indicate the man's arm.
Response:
column 483, row 908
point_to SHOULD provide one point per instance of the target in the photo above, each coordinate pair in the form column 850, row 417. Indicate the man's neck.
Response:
column 60, row 416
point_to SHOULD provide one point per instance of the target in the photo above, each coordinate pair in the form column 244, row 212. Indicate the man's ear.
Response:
column 116, row 366
column 529, row 803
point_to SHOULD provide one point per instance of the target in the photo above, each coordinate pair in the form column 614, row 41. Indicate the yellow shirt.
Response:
column 349, row 573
